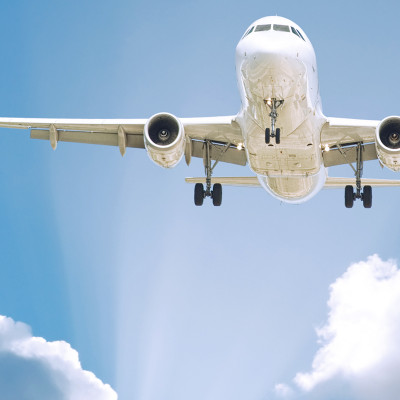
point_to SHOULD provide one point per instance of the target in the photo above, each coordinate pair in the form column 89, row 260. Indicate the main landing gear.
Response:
column 273, row 104
column 364, row 194
column 216, row 192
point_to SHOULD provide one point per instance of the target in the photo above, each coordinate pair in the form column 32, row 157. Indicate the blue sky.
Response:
column 162, row 299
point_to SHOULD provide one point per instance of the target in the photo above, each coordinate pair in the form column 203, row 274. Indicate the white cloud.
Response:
column 32, row 368
column 283, row 390
column 359, row 344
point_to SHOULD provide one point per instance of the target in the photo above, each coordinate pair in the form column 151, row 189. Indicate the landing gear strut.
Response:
column 213, row 191
column 364, row 194
column 273, row 104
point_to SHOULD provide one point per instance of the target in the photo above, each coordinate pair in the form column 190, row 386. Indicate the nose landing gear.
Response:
column 273, row 104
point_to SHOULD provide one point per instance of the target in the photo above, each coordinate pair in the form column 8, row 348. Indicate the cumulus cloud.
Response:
column 32, row 368
column 359, row 343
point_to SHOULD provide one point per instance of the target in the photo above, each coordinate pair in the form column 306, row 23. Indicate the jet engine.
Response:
column 164, row 138
column 388, row 142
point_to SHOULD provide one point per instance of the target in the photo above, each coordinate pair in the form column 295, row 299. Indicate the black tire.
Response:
column 367, row 196
column 217, row 194
column 267, row 135
column 278, row 136
column 348, row 196
column 198, row 194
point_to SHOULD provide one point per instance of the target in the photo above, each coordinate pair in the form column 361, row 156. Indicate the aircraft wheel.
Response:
column 278, row 136
column 267, row 135
column 348, row 196
column 217, row 194
column 198, row 194
column 367, row 196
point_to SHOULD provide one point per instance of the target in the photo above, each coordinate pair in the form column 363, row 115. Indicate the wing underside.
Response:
column 224, row 133
column 340, row 137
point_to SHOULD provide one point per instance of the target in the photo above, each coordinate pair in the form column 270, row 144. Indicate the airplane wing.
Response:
column 222, row 131
column 339, row 138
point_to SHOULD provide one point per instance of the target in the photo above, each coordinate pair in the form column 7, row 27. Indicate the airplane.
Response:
column 280, row 131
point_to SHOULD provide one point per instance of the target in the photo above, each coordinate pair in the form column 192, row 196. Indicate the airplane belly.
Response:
column 298, row 154
column 284, row 78
column 279, row 67
column 293, row 189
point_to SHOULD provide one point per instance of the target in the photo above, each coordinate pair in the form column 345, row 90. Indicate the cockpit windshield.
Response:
column 263, row 28
column 281, row 28
column 275, row 27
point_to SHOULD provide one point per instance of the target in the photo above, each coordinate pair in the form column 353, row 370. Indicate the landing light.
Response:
column 327, row 148
column 240, row 146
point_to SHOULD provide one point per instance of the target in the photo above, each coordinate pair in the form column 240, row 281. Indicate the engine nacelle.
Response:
column 164, row 138
column 388, row 142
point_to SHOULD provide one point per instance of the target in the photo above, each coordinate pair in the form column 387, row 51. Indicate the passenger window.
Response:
column 281, row 28
column 260, row 28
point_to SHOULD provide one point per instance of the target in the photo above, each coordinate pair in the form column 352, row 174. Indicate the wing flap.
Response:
column 107, row 139
column 132, row 126
column 345, row 155
column 220, row 152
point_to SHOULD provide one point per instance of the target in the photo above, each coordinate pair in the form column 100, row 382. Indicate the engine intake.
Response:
column 388, row 142
column 389, row 132
column 164, row 139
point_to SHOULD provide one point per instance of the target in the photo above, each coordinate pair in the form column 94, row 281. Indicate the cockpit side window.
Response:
column 297, row 33
column 248, row 32
column 300, row 34
column 281, row 28
column 260, row 28
column 294, row 31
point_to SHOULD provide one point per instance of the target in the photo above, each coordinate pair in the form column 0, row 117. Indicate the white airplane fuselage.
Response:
column 273, row 64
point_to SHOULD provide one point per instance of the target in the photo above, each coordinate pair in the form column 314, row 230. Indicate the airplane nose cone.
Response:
column 274, row 52
column 270, row 65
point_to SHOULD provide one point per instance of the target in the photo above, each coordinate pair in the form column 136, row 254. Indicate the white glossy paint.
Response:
column 269, row 64
column 281, row 65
